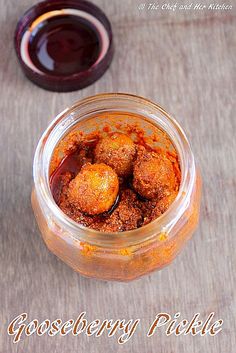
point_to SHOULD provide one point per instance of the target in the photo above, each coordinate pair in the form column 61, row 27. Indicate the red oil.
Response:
column 71, row 164
column 64, row 45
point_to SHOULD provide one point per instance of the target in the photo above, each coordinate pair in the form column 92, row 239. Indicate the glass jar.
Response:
column 121, row 256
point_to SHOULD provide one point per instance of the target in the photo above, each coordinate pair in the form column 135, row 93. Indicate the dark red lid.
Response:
column 64, row 45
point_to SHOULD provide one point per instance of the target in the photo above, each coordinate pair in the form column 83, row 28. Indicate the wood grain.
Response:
column 185, row 62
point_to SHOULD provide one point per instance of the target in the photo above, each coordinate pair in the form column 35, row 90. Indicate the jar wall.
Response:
column 123, row 264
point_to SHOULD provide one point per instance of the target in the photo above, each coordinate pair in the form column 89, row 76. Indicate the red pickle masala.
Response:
column 110, row 182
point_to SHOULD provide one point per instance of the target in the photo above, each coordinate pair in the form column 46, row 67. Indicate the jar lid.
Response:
column 64, row 45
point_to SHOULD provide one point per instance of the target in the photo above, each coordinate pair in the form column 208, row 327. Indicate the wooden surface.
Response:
column 185, row 62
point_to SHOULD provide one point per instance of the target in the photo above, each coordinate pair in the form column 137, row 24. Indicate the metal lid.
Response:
column 64, row 45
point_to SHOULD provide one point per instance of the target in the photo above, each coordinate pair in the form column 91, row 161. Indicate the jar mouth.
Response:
column 61, row 125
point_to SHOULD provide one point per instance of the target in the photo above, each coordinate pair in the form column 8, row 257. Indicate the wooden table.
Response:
column 186, row 62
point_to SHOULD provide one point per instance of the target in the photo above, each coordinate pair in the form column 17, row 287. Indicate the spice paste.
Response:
column 113, row 183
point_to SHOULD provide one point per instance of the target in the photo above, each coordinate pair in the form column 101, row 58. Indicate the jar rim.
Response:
column 162, row 224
